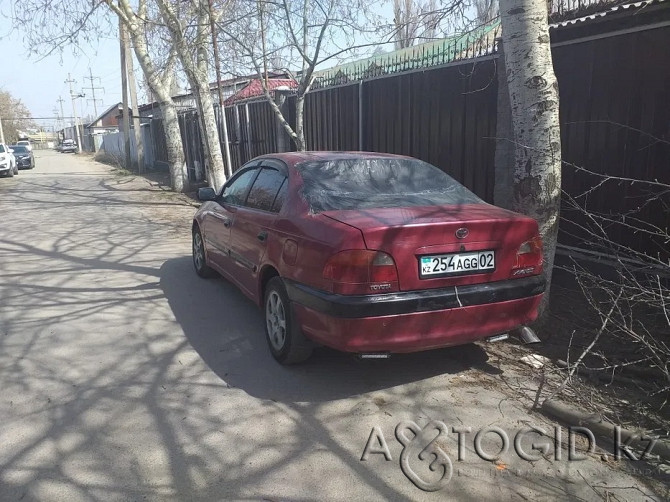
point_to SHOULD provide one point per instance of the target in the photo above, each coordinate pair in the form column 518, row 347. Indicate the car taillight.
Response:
column 528, row 258
column 361, row 271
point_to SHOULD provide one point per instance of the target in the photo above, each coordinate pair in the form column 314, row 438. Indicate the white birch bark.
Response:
column 175, row 149
column 533, row 92
column 194, row 57
column 160, row 85
column 504, row 156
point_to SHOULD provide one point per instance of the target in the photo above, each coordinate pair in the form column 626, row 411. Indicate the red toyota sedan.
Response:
column 367, row 253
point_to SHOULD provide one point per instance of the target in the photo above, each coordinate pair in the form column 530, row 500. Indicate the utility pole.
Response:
column 58, row 117
column 74, row 96
column 62, row 114
column 2, row 133
column 93, row 88
column 124, row 93
column 139, row 147
column 222, row 109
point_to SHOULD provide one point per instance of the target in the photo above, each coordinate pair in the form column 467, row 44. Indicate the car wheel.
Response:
column 10, row 173
column 199, row 260
column 287, row 343
column 16, row 169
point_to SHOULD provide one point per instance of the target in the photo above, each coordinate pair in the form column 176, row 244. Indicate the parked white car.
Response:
column 7, row 161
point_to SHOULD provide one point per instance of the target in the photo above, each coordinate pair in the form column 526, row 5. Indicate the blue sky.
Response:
column 39, row 83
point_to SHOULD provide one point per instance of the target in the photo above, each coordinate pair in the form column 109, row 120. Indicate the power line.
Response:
column 93, row 88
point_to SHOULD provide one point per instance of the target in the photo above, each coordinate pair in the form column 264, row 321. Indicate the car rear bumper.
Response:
column 414, row 321
column 405, row 302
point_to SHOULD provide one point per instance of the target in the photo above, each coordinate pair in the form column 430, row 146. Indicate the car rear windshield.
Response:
column 368, row 183
column 19, row 149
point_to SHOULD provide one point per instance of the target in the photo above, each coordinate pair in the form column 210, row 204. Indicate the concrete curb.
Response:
column 598, row 426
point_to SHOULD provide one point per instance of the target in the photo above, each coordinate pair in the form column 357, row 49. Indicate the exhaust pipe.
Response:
column 527, row 335
column 497, row 338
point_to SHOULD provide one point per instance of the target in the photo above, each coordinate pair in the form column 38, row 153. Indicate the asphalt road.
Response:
column 123, row 376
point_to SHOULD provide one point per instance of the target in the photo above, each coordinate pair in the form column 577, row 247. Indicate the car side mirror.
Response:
column 11, row 150
column 206, row 193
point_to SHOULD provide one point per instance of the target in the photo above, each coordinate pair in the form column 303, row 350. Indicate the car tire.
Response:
column 199, row 257
column 16, row 169
column 10, row 173
column 287, row 343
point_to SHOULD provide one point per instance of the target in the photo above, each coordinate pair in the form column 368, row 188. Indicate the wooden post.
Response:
column 139, row 146
column 124, row 93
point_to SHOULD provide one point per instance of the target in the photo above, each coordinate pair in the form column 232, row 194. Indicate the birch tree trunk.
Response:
column 533, row 92
column 160, row 86
column 194, row 58
column 299, row 138
column 216, row 173
column 175, row 149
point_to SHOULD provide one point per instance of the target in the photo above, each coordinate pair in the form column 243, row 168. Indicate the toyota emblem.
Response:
column 462, row 233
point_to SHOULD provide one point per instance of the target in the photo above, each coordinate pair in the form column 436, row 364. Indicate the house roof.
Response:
column 254, row 89
column 245, row 78
column 99, row 117
column 148, row 106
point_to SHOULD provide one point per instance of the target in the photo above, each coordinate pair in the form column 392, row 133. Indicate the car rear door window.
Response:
column 236, row 191
column 265, row 189
column 281, row 196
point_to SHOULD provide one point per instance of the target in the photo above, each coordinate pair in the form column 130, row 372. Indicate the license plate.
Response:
column 456, row 263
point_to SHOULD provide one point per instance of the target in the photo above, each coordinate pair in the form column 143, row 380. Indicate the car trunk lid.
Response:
column 410, row 233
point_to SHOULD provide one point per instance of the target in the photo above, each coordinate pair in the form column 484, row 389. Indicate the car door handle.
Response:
column 262, row 236
column 226, row 223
